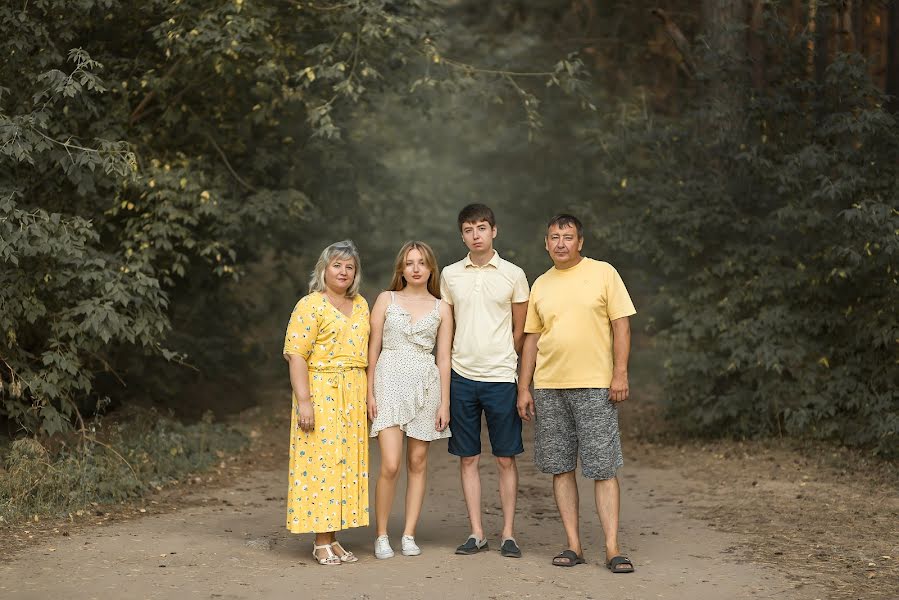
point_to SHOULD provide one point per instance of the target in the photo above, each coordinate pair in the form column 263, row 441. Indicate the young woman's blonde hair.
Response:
column 342, row 250
column 399, row 282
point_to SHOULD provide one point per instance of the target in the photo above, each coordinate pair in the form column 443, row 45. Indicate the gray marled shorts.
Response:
column 577, row 421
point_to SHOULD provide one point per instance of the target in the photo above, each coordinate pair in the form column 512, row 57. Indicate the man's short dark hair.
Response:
column 565, row 220
column 475, row 213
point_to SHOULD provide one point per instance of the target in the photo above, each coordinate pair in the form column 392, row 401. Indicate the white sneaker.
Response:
column 382, row 547
column 410, row 548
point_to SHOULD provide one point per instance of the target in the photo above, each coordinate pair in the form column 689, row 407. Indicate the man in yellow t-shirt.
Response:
column 576, row 351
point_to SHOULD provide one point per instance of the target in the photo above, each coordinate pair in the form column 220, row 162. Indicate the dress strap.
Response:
column 437, row 304
column 392, row 297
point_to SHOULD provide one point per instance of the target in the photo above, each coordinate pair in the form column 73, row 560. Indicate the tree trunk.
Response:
column 797, row 20
column 724, row 24
column 823, row 18
column 892, row 83
column 859, row 18
column 757, row 44
column 847, row 30
column 723, row 20
column 812, row 22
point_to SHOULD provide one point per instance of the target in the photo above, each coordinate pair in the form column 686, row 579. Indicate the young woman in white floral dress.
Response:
column 408, row 390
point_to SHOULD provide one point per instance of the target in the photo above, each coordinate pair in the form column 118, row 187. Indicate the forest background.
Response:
column 171, row 170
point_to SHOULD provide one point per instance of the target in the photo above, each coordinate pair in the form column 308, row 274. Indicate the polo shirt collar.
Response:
column 494, row 261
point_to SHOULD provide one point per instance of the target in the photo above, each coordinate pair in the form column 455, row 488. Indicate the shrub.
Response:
column 111, row 463
column 774, row 225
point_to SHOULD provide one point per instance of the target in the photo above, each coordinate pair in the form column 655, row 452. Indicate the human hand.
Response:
column 305, row 415
column 372, row 407
column 443, row 418
column 619, row 390
column 525, row 404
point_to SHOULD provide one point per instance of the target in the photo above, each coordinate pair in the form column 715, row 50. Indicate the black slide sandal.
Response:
column 569, row 557
column 620, row 564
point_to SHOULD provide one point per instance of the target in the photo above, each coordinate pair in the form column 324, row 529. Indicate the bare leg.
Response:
column 391, row 443
column 607, row 505
column 565, row 492
column 508, row 491
column 416, row 479
column 471, row 489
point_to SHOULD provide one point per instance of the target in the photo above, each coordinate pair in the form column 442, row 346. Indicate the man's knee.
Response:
column 566, row 476
column 505, row 463
column 470, row 462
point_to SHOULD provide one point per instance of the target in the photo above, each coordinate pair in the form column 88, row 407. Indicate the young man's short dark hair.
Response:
column 475, row 213
column 565, row 220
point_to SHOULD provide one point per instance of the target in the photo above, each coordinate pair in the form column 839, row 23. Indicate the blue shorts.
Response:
column 498, row 401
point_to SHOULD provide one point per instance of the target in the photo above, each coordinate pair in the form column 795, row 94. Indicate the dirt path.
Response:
column 230, row 543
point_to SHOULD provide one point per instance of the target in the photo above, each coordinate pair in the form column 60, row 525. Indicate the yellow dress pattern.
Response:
column 328, row 473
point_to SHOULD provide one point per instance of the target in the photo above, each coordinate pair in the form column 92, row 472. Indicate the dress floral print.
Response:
column 328, row 473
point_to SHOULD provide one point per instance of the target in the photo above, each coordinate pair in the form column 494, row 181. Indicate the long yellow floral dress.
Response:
column 328, row 473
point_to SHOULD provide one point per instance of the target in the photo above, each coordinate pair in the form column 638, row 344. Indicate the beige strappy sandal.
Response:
column 347, row 556
column 330, row 558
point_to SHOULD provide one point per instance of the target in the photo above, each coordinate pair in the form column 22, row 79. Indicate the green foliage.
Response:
column 111, row 463
column 96, row 233
column 773, row 220
column 61, row 308
column 153, row 155
column 149, row 152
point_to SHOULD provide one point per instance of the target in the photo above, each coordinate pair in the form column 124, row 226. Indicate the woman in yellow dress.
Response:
column 326, row 346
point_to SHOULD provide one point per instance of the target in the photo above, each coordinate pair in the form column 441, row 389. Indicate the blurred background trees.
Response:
column 170, row 171
column 769, row 204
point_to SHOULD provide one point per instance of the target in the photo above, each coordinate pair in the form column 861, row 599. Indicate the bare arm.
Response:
column 621, row 350
column 519, row 313
column 444, row 352
column 375, row 340
column 299, row 382
column 528, row 363
column 447, row 297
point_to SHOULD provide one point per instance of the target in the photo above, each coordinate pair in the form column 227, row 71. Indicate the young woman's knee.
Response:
column 390, row 469
column 417, row 460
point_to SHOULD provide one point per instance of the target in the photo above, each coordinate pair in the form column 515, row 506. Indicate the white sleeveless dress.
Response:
column 407, row 382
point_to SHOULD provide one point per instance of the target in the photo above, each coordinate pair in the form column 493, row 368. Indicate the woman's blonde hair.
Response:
column 342, row 250
column 399, row 282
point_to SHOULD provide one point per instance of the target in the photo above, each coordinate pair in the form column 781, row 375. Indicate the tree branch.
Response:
column 680, row 41
column 228, row 164
column 471, row 68
column 138, row 112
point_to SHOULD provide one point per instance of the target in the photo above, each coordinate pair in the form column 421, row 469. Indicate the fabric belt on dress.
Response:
column 408, row 349
column 335, row 377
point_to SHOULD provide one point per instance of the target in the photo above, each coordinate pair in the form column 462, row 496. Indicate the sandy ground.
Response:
column 230, row 542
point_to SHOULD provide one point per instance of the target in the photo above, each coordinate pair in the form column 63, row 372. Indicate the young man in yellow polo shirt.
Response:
column 489, row 297
column 576, row 349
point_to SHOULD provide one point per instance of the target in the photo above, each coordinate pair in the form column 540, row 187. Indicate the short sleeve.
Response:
column 445, row 294
column 533, row 323
column 520, row 289
column 618, row 301
column 365, row 308
column 302, row 330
